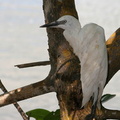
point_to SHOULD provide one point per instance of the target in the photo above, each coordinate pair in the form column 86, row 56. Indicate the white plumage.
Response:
column 88, row 44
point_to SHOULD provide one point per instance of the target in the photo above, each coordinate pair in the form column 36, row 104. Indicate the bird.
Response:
column 88, row 43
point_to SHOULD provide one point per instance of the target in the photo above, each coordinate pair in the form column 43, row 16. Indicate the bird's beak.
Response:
column 52, row 24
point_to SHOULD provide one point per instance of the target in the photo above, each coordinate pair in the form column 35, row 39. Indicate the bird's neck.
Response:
column 72, row 36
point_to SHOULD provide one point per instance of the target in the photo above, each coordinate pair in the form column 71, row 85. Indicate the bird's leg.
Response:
column 91, row 116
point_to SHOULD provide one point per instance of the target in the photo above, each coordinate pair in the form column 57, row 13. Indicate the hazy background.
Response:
column 22, row 41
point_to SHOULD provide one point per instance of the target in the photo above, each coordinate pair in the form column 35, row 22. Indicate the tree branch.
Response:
column 26, row 92
column 22, row 113
column 33, row 64
column 110, row 114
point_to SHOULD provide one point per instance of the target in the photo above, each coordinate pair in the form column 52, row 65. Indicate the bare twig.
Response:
column 33, row 64
column 15, row 103
column 26, row 92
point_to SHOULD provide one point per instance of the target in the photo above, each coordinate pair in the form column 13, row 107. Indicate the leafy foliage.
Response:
column 38, row 114
column 53, row 115
column 107, row 97
column 42, row 114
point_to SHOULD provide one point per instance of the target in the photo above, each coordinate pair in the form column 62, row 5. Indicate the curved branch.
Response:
column 113, row 47
column 26, row 92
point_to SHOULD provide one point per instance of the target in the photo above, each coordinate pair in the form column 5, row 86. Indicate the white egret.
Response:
column 88, row 44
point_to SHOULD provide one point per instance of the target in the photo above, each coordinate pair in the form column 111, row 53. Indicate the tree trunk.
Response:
column 67, row 83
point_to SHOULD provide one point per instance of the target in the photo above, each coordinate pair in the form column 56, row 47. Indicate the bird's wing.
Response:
column 93, row 57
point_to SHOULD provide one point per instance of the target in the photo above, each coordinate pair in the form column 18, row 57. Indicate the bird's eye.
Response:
column 62, row 22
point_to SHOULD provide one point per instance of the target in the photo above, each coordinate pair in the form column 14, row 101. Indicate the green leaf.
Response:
column 38, row 114
column 107, row 97
column 53, row 115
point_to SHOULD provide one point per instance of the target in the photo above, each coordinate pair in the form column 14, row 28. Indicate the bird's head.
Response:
column 64, row 22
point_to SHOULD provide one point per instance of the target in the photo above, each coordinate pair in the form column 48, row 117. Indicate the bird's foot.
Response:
column 90, row 117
